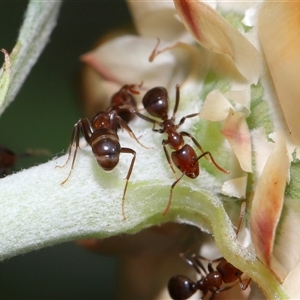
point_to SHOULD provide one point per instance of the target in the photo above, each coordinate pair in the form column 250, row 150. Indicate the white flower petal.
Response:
column 158, row 19
column 292, row 283
column 125, row 60
column 235, row 187
column 280, row 40
column 213, row 32
column 262, row 149
column 216, row 107
column 242, row 98
column 267, row 206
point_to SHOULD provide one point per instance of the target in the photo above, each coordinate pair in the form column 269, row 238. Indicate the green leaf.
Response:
column 5, row 77
column 39, row 21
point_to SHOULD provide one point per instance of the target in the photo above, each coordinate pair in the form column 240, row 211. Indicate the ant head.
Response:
column 156, row 103
column 228, row 272
column 101, row 120
column 181, row 287
column 124, row 97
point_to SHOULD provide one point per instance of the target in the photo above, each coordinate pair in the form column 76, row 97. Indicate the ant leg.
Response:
column 194, row 262
column 242, row 214
column 134, row 88
column 213, row 161
column 199, row 264
column 212, row 297
column 155, row 129
column 124, row 125
column 176, row 102
column 171, row 193
column 242, row 285
column 127, row 150
column 156, row 52
column 84, row 126
column 184, row 133
column 176, row 108
column 134, row 111
column 186, row 117
column 31, row 152
column 226, row 288
column 164, row 143
column 73, row 136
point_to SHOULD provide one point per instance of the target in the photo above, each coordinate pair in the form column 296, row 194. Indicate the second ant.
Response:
column 101, row 135
column 184, row 157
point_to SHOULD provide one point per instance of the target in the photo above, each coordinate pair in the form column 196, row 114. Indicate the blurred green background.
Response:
column 42, row 116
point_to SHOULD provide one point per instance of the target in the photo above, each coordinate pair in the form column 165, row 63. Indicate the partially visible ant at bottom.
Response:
column 8, row 158
column 182, row 287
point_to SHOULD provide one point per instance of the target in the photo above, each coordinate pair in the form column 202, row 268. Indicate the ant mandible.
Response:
column 182, row 287
column 101, row 135
column 184, row 157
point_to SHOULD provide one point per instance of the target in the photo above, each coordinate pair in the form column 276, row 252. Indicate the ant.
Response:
column 182, row 287
column 8, row 158
column 101, row 135
column 124, row 97
column 184, row 157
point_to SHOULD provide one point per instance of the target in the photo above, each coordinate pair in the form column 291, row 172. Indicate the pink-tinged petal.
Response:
column 158, row 20
column 213, row 32
column 267, row 206
column 288, row 234
column 215, row 107
column 237, row 133
column 279, row 29
column 95, row 92
column 126, row 60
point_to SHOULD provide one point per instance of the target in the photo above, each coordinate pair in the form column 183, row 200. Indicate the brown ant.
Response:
column 182, row 287
column 124, row 97
column 8, row 158
column 184, row 157
column 101, row 135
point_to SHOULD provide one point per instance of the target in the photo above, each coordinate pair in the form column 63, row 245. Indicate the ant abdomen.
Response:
column 106, row 148
column 185, row 160
column 181, row 287
column 156, row 102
